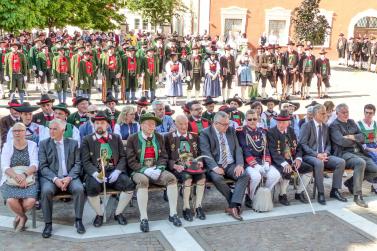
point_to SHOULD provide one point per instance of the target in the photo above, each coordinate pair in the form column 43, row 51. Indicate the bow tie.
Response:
column 149, row 138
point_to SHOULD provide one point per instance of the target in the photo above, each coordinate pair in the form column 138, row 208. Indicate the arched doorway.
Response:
column 366, row 26
column 363, row 23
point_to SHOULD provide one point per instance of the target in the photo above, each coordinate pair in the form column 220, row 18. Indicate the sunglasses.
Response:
column 252, row 119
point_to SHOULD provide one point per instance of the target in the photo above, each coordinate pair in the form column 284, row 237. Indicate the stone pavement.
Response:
column 295, row 232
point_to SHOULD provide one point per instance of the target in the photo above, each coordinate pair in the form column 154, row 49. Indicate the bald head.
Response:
column 181, row 123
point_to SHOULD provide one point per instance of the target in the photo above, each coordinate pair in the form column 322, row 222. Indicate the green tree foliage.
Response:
column 309, row 24
column 157, row 11
column 21, row 14
column 88, row 14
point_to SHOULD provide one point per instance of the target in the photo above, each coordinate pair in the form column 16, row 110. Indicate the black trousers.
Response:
column 227, row 82
column 123, row 183
column 46, row 75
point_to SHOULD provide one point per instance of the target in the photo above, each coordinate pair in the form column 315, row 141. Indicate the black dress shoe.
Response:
column 187, row 214
column 283, row 199
column 373, row 190
column 47, row 230
column 321, row 199
column 121, row 219
column 360, row 201
column 301, row 197
column 349, row 184
column 80, row 227
column 248, row 202
column 98, row 221
column 144, row 225
column 176, row 221
column 200, row 213
column 335, row 194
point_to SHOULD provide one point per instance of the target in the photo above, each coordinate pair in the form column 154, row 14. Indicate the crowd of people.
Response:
column 84, row 152
column 87, row 151
column 358, row 52
column 124, row 64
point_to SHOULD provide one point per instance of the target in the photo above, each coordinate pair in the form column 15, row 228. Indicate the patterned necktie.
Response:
column 224, row 155
column 320, row 139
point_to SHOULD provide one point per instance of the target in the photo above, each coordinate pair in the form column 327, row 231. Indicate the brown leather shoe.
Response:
column 234, row 213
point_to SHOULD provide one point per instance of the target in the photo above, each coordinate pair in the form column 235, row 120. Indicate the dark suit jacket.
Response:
column 49, row 160
column 5, row 124
column 276, row 145
column 172, row 142
column 339, row 143
column 133, row 151
column 308, row 139
column 90, row 153
column 210, row 146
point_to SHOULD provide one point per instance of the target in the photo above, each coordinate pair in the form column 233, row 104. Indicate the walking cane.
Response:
column 306, row 191
column 104, row 189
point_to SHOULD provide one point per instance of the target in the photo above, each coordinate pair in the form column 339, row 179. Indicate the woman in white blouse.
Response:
column 19, row 193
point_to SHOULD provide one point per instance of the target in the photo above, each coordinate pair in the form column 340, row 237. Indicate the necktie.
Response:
column 60, row 157
column 320, row 139
column 224, row 155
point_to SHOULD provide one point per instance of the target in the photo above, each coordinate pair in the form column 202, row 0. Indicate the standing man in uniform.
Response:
column 60, row 69
column 227, row 71
column 341, row 47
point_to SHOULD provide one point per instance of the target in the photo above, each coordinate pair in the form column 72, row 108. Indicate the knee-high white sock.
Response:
column 228, row 93
column 188, row 95
column 305, row 182
column 186, row 197
column 172, row 192
column 199, row 195
column 223, row 92
column 142, row 202
column 95, row 203
column 124, row 199
column 197, row 95
column 283, row 186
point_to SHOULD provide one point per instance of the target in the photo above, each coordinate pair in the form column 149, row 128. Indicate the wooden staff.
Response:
column 123, row 90
column 104, row 189
column 104, row 88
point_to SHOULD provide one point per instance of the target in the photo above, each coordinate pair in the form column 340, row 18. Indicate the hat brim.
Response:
column 26, row 108
column 239, row 102
column 280, row 118
column 169, row 112
column 157, row 120
column 142, row 103
column 62, row 109
column 46, row 101
column 266, row 101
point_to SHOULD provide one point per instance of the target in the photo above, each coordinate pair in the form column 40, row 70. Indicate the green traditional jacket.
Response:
column 75, row 63
column 76, row 120
column 147, row 74
column 55, row 66
column 125, row 72
column 208, row 116
column 86, row 72
column 33, row 53
column 105, row 65
column 42, row 61
column 9, row 67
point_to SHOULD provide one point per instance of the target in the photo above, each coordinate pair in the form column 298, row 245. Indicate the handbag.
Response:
column 30, row 179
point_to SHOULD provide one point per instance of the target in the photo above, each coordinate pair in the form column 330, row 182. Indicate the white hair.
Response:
column 61, row 123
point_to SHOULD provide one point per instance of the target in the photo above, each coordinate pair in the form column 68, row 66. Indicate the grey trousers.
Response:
column 334, row 163
column 240, row 185
column 363, row 167
column 49, row 189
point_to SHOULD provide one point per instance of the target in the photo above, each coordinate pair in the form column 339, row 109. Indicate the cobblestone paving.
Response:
column 153, row 241
column 322, row 231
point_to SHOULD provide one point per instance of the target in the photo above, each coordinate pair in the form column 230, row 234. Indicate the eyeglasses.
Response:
column 93, row 112
column 252, row 119
column 369, row 113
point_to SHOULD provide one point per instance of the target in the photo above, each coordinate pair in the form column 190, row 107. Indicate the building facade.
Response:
column 274, row 17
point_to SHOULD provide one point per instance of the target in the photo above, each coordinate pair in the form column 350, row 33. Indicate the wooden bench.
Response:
column 110, row 192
